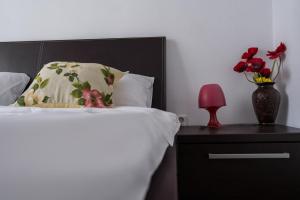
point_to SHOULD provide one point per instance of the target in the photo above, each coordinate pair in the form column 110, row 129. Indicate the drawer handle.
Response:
column 214, row 156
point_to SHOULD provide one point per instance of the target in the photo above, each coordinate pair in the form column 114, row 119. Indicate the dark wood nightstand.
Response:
column 238, row 162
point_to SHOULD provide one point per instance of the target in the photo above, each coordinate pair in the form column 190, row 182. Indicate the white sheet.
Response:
column 81, row 154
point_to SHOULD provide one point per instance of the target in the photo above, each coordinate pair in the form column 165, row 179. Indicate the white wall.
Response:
column 286, row 27
column 205, row 39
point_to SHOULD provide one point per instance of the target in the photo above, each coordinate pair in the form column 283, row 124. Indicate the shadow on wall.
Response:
column 284, row 101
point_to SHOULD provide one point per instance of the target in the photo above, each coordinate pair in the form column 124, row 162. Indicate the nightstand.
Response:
column 238, row 162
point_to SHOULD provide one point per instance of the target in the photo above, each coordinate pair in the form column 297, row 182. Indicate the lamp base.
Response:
column 213, row 120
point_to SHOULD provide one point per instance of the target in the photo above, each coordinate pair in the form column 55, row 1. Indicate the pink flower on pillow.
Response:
column 93, row 98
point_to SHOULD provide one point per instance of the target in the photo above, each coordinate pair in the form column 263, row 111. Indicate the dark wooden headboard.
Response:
column 145, row 56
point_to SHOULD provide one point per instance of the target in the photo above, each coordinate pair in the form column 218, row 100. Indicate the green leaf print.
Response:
column 35, row 86
column 45, row 100
column 21, row 101
column 81, row 101
column 53, row 66
column 58, row 68
column 86, row 85
column 59, row 71
column 74, row 74
column 75, row 66
column 71, row 78
column 38, row 78
column 76, row 93
column 105, row 72
column 77, row 85
column 44, row 83
column 107, row 99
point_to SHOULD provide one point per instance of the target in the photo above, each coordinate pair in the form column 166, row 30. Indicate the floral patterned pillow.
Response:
column 71, row 84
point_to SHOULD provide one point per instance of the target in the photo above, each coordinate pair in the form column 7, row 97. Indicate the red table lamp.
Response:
column 211, row 98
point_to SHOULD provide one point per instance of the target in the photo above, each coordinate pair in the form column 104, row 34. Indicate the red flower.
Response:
column 256, row 64
column 93, row 98
column 250, row 53
column 278, row 51
column 249, row 68
column 266, row 72
column 240, row 67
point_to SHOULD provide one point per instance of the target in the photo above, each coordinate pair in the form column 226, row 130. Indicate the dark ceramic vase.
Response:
column 266, row 101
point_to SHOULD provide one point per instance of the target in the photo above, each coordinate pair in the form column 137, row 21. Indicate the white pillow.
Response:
column 134, row 90
column 12, row 86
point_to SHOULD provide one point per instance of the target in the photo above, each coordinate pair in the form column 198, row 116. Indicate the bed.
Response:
column 145, row 56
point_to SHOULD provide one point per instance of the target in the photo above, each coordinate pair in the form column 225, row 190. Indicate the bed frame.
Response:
column 146, row 56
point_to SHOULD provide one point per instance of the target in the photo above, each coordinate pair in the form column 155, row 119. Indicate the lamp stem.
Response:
column 213, row 121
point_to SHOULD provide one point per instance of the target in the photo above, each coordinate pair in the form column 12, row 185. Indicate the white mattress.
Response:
column 81, row 154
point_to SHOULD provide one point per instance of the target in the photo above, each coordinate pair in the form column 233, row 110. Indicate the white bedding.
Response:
column 81, row 154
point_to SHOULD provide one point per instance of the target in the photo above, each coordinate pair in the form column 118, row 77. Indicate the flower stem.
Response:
column 273, row 67
column 279, row 66
column 248, row 78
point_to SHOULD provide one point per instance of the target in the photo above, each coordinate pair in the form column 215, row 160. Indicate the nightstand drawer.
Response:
column 239, row 170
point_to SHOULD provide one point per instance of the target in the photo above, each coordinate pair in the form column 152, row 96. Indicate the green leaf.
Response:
column 81, row 101
column 109, row 102
column 75, row 66
column 21, row 101
column 76, row 93
column 35, row 86
column 38, row 79
column 45, row 100
column 107, row 68
column 71, row 78
column 86, row 85
column 77, row 85
column 107, row 99
column 53, row 66
column 74, row 74
column 67, row 74
column 59, row 70
column 104, row 72
column 44, row 83
column 108, row 95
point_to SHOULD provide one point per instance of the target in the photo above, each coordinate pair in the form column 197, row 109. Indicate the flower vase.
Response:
column 266, row 101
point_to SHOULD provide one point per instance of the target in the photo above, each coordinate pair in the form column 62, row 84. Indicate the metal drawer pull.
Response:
column 214, row 156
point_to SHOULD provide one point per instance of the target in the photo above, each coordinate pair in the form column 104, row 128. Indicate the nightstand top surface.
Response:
column 239, row 133
column 238, row 129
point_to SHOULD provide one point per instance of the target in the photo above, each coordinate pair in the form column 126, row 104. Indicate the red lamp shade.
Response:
column 211, row 98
